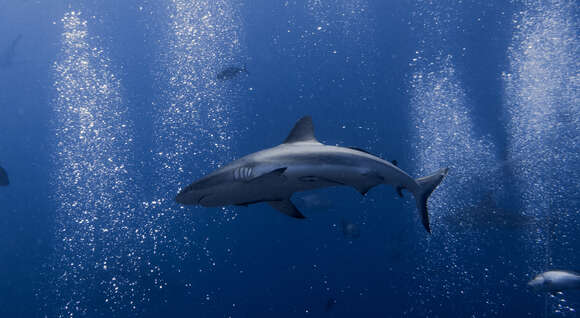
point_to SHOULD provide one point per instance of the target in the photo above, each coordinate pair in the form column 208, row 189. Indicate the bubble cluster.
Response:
column 114, row 249
column 193, row 125
column 95, row 263
column 195, row 114
column 542, row 103
column 444, row 137
column 352, row 18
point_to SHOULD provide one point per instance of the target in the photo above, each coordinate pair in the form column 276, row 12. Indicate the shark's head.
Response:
column 204, row 191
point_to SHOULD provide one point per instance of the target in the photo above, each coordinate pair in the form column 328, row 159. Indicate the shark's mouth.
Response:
column 205, row 200
column 201, row 199
column 185, row 197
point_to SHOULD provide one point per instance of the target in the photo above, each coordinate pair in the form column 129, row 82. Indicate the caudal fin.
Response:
column 426, row 186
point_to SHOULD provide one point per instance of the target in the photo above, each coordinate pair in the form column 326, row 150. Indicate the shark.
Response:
column 302, row 163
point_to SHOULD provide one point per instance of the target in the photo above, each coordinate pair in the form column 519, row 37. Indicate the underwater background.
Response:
column 109, row 108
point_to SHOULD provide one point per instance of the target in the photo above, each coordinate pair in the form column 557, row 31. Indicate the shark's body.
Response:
column 302, row 163
column 3, row 177
column 555, row 281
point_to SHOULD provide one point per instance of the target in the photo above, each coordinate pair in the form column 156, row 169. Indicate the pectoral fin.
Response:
column 287, row 207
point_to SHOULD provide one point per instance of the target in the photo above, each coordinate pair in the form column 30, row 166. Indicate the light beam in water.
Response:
column 193, row 125
column 445, row 135
column 96, row 260
column 542, row 90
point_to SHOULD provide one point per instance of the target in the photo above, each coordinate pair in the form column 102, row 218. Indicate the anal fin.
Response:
column 363, row 189
column 287, row 207
column 372, row 179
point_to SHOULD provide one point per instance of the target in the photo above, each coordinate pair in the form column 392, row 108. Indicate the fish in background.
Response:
column 8, row 54
column 555, row 281
column 349, row 230
column 3, row 177
column 231, row 72
column 488, row 214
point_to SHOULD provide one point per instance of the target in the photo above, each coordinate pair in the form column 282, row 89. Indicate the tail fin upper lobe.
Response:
column 426, row 186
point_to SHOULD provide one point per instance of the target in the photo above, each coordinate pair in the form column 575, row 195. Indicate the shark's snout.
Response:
column 180, row 198
column 537, row 282
column 191, row 196
column 187, row 197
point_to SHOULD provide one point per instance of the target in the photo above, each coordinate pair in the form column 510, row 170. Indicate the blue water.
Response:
column 108, row 108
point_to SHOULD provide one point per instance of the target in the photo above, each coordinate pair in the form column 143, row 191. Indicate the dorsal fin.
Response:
column 359, row 149
column 303, row 131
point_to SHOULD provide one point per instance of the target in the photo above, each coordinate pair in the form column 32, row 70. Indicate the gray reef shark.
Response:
column 555, row 281
column 302, row 163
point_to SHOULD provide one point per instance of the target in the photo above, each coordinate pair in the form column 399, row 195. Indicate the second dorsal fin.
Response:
column 303, row 131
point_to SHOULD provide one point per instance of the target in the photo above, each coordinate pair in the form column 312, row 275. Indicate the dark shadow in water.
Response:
column 329, row 304
column 231, row 72
column 3, row 177
column 7, row 55
column 487, row 214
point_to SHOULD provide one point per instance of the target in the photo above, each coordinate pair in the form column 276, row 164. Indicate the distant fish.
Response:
column 555, row 281
column 329, row 304
column 7, row 55
column 231, row 72
column 3, row 177
column 350, row 230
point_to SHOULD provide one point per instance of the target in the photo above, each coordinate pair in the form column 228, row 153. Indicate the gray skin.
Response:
column 3, row 177
column 302, row 163
column 555, row 281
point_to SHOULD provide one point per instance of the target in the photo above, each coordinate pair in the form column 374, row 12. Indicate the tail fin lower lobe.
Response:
column 426, row 186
